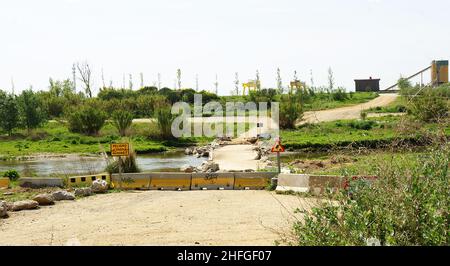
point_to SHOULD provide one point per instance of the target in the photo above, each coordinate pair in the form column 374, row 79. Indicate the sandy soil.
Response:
column 350, row 112
column 157, row 218
column 235, row 157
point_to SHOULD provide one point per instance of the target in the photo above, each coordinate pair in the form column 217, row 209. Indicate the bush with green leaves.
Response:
column 12, row 174
column 430, row 104
column 339, row 95
column 165, row 118
column 405, row 206
column 86, row 120
column 362, row 124
column 9, row 112
column 290, row 111
column 31, row 110
column 128, row 163
column 122, row 121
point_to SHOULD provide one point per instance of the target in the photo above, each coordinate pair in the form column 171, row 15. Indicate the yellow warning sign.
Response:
column 277, row 147
column 120, row 149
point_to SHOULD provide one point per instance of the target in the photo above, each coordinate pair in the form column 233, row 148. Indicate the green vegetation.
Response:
column 397, row 106
column 9, row 113
column 165, row 119
column 12, row 174
column 290, row 110
column 370, row 133
column 406, row 205
column 122, row 120
column 335, row 99
column 429, row 104
column 55, row 137
column 31, row 110
column 87, row 120
column 127, row 164
column 311, row 99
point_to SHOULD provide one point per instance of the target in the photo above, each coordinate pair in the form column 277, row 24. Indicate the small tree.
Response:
column 31, row 112
column 165, row 119
column 290, row 110
column 86, row 120
column 258, row 80
column 330, row 79
column 179, row 78
column 86, row 77
column 9, row 112
column 430, row 104
column 122, row 120
column 279, row 82
column 236, row 83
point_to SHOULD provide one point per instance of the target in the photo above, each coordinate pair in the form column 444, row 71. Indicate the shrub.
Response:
column 406, row 205
column 122, row 120
column 290, row 111
column 430, row 105
column 362, row 124
column 363, row 115
column 12, row 174
column 9, row 112
column 31, row 110
column 86, row 120
column 128, row 163
column 165, row 119
column 339, row 95
column 55, row 106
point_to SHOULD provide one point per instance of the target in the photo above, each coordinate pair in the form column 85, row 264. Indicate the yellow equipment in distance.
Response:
column 298, row 85
column 439, row 72
column 251, row 85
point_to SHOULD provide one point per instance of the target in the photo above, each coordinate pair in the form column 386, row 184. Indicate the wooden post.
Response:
column 279, row 163
column 120, row 172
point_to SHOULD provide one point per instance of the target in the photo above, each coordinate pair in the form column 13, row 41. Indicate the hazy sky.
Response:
column 357, row 38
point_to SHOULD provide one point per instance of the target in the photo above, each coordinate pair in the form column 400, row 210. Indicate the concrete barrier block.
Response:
column 40, row 182
column 293, row 182
column 171, row 181
column 132, row 181
column 318, row 184
column 86, row 180
column 255, row 180
column 212, row 181
column 4, row 182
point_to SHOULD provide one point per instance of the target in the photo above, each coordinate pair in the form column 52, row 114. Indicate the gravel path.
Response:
column 349, row 112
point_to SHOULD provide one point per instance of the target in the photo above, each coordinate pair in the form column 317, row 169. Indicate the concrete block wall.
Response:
column 316, row 184
column 40, row 182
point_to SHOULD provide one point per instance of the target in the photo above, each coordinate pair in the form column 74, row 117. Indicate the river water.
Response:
column 158, row 162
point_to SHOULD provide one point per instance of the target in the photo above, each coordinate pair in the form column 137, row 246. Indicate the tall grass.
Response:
column 405, row 206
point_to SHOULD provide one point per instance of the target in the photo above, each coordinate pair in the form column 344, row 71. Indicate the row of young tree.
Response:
column 86, row 114
column 25, row 111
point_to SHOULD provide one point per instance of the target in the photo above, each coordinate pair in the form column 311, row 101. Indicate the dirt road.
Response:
column 157, row 218
column 241, row 157
column 349, row 112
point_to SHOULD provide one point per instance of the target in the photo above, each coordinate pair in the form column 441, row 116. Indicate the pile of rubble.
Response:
column 206, row 167
column 45, row 199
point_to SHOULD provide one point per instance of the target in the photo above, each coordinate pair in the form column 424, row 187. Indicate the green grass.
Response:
column 323, row 101
column 54, row 137
column 372, row 133
column 397, row 106
column 367, row 164
column 320, row 101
